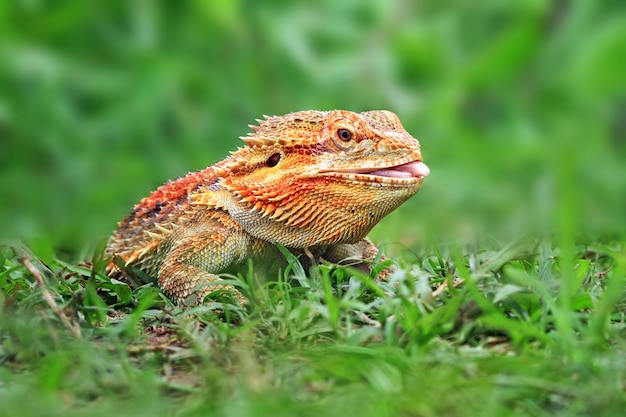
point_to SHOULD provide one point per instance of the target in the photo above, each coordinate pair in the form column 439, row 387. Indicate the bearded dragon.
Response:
column 315, row 182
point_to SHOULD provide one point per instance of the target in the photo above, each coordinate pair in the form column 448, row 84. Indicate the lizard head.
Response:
column 314, row 178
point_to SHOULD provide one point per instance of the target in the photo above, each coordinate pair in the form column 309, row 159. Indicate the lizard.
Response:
column 315, row 182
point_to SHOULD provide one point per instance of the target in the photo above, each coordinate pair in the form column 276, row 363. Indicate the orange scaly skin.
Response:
column 315, row 182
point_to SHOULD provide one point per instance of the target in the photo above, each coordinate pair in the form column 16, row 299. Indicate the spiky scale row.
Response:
column 298, row 182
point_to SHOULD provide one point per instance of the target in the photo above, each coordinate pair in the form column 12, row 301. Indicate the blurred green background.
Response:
column 520, row 106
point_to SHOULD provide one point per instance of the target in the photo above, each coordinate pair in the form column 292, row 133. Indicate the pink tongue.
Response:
column 408, row 170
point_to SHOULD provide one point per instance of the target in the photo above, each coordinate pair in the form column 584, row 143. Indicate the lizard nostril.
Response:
column 273, row 160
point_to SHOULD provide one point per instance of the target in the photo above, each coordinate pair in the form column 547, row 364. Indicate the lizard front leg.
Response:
column 358, row 255
column 190, row 269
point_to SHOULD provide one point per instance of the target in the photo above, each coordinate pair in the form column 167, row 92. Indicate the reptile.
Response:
column 315, row 182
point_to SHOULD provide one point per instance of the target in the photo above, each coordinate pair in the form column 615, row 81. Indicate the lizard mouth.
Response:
column 407, row 173
column 413, row 169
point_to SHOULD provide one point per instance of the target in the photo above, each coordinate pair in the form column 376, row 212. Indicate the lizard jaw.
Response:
column 406, row 173
column 413, row 169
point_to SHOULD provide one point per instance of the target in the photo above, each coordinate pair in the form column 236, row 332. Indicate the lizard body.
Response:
column 315, row 182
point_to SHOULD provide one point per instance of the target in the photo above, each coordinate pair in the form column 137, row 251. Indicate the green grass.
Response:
column 506, row 337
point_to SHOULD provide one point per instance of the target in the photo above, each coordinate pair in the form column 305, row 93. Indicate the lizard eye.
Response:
column 344, row 134
column 273, row 160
